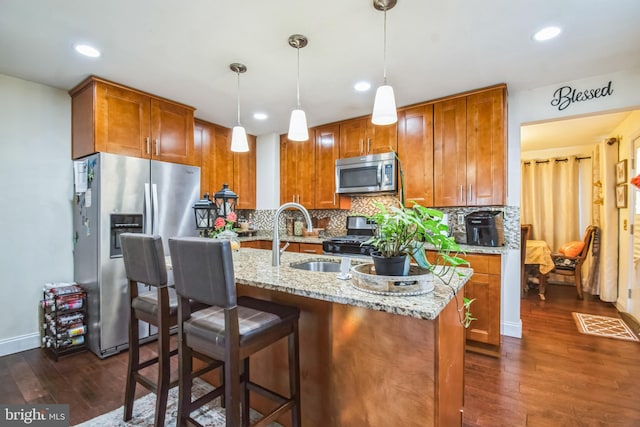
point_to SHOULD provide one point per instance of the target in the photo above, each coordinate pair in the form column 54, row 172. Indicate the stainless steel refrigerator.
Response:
column 116, row 194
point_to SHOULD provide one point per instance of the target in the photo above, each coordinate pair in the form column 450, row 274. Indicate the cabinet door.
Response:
column 311, row 248
column 172, row 132
column 221, row 158
column 486, row 152
column 449, row 152
column 297, row 169
column 415, row 150
column 244, row 176
column 327, row 152
column 122, row 122
column 352, row 138
column 202, row 138
column 381, row 139
column 485, row 289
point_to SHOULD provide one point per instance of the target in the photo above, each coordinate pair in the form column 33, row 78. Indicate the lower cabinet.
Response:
column 310, row 248
column 483, row 335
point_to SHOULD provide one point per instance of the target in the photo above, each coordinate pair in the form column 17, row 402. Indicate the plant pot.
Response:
column 391, row 266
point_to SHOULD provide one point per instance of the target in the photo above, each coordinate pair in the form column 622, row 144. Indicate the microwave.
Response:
column 375, row 173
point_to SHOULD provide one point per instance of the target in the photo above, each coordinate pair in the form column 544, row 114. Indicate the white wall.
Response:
column 534, row 105
column 35, row 217
column 268, row 171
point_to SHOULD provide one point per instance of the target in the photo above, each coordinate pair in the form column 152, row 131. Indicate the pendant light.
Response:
column 239, row 141
column 298, row 130
column 384, row 105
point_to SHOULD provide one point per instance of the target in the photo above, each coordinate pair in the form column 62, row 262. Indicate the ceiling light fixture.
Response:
column 298, row 130
column 362, row 86
column 384, row 105
column 86, row 50
column 239, row 141
column 260, row 116
column 547, row 33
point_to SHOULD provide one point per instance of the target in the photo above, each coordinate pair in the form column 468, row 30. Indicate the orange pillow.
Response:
column 572, row 248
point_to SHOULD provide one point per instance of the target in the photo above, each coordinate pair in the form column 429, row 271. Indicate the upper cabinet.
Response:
column 222, row 166
column 297, row 167
column 327, row 152
column 469, row 149
column 415, row 151
column 108, row 117
column 359, row 137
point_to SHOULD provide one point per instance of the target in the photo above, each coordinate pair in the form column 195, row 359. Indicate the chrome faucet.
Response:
column 275, row 247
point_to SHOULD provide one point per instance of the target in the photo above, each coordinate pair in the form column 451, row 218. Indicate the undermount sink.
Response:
column 318, row 266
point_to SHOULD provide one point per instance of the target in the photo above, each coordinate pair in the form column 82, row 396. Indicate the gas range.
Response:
column 359, row 230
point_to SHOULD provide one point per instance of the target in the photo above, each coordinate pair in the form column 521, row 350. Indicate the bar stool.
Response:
column 231, row 330
column 144, row 262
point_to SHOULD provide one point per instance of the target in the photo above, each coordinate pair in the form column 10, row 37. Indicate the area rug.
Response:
column 211, row 415
column 603, row 326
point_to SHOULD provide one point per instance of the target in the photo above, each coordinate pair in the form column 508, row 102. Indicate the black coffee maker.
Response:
column 484, row 228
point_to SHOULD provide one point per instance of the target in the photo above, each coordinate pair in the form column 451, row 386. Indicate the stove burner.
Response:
column 349, row 244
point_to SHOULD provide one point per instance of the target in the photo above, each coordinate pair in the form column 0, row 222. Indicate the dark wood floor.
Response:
column 553, row 376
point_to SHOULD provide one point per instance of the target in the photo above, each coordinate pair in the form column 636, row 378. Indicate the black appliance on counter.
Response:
column 359, row 230
column 485, row 228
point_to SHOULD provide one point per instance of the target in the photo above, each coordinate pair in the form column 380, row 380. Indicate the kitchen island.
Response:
column 366, row 359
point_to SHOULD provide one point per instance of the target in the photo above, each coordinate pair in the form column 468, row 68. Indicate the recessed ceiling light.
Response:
column 260, row 116
column 86, row 50
column 547, row 33
column 362, row 86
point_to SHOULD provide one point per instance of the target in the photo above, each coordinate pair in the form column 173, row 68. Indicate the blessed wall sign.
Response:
column 566, row 95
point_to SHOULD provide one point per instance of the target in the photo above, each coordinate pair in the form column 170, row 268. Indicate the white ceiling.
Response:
column 182, row 50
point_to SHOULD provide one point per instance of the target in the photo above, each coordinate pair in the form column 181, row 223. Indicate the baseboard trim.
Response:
column 20, row 343
column 512, row 329
column 631, row 322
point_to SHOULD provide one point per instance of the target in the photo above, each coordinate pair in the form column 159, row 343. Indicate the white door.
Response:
column 633, row 291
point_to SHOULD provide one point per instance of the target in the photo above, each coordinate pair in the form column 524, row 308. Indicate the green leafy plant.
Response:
column 466, row 308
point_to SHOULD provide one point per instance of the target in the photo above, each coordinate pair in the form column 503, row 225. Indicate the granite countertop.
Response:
column 268, row 235
column 253, row 267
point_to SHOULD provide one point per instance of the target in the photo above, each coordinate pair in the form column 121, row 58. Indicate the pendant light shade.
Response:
column 384, row 105
column 298, row 130
column 239, row 141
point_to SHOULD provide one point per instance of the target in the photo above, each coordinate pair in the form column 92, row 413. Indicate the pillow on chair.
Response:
column 572, row 248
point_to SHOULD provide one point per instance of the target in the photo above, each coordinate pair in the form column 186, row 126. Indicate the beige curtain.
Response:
column 550, row 200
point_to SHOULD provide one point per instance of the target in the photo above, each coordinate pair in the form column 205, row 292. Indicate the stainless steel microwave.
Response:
column 375, row 173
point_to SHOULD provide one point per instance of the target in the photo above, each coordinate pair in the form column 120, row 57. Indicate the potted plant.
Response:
column 402, row 232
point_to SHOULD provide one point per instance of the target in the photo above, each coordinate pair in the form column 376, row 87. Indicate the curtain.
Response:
column 603, row 281
column 550, row 200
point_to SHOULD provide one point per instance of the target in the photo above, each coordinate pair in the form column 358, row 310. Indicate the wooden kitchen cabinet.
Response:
column 483, row 335
column 415, row 151
column 327, row 147
column 359, row 137
column 297, row 168
column 310, row 248
column 111, row 118
column 469, row 154
column 222, row 166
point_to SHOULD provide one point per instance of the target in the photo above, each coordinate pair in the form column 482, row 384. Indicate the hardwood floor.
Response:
column 553, row 376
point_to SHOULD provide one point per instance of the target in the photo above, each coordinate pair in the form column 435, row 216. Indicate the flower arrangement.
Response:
column 223, row 224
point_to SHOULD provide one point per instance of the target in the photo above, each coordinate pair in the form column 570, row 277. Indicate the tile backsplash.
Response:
column 263, row 218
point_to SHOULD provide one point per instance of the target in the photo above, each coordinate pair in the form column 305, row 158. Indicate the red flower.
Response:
column 220, row 222
column 636, row 181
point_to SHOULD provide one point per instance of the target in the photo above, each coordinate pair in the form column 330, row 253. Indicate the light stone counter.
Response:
column 253, row 267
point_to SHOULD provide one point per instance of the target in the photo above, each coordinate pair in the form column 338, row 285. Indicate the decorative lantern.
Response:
column 205, row 212
column 225, row 201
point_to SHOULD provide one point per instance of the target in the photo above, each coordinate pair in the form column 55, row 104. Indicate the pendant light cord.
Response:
column 298, row 77
column 238, row 73
column 384, row 55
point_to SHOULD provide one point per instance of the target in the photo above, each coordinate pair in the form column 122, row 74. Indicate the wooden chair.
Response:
column 231, row 330
column 572, row 266
column 144, row 263
column 525, row 233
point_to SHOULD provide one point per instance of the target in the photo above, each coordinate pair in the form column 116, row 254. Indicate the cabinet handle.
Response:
column 361, row 146
column 368, row 145
column 470, row 191
column 157, row 147
column 309, row 251
column 461, row 189
column 334, row 198
column 148, row 145
column 416, row 198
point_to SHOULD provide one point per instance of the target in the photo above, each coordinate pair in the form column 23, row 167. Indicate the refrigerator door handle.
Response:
column 147, row 209
column 156, row 218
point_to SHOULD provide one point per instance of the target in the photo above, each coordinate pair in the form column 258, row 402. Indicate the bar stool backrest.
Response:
column 144, row 259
